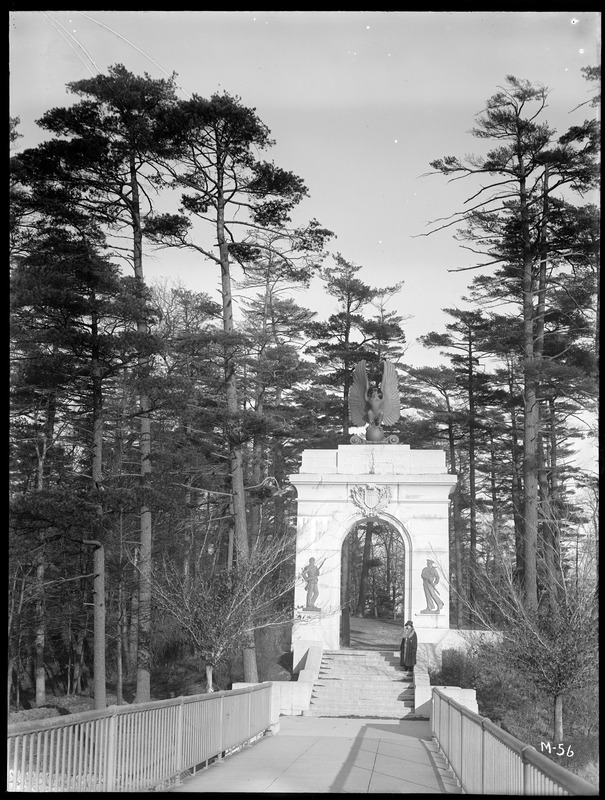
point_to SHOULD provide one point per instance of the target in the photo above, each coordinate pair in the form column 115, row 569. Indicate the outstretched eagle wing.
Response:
column 358, row 395
column 390, row 394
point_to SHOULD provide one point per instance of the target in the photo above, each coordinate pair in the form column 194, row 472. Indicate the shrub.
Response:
column 457, row 669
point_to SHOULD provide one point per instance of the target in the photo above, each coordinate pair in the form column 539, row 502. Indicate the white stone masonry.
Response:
column 337, row 489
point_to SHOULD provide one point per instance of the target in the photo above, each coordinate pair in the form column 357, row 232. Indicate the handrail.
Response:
column 487, row 760
column 136, row 747
column 110, row 711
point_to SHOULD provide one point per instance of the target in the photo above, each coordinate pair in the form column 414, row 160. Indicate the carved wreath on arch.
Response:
column 371, row 499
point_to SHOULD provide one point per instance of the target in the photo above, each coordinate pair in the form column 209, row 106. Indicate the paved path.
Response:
column 327, row 755
column 332, row 755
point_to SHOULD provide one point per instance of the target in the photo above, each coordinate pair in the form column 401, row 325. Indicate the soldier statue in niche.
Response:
column 310, row 575
column 430, row 579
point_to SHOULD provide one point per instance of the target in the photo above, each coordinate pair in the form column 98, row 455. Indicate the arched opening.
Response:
column 374, row 580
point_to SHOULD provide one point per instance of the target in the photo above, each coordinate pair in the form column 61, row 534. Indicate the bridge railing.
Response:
column 133, row 748
column 487, row 760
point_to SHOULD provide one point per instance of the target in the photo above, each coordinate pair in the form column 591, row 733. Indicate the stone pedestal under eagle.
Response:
column 372, row 404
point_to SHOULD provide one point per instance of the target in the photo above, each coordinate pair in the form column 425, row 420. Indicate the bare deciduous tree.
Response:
column 556, row 647
column 212, row 605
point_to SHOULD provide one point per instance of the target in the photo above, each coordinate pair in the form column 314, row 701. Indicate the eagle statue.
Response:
column 372, row 404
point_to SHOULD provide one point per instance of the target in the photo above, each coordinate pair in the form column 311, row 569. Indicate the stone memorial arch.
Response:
column 372, row 479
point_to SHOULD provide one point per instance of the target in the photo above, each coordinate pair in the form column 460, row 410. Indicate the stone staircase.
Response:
column 362, row 683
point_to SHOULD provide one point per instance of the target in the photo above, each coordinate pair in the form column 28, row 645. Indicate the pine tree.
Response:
column 108, row 155
column 230, row 195
column 509, row 223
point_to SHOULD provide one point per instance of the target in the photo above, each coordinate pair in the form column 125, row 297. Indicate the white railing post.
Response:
column 179, row 738
column 462, row 776
column 222, row 726
column 449, row 731
column 525, row 767
column 110, row 762
column 483, row 758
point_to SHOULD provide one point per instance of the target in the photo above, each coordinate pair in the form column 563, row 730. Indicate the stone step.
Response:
column 322, row 691
column 341, row 697
column 374, row 705
column 335, row 657
column 377, row 656
column 361, row 683
column 363, row 669
column 368, row 675
column 379, row 666
column 358, row 683
column 392, row 661
column 375, row 712
column 350, row 659
column 337, row 691
column 377, row 672
column 374, row 708
column 379, row 690
column 323, row 695
column 361, row 655
column 367, row 700
column 364, row 677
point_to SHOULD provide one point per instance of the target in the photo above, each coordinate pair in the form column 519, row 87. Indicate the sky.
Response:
column 359, row 104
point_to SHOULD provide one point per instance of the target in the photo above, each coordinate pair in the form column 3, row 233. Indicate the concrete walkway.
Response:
column 328, row 755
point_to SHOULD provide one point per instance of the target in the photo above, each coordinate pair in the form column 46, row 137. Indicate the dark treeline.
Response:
column 153, row 428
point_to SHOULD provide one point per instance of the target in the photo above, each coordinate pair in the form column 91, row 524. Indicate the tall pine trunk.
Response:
column 40, row 605
column 547, row 460
column 259, row 401
column 472, row 479
column 495, row 514
column 40, row 635
column 549, row 495
column 99, row 676
column 120, row 640
column 143, row 693
column 456, row 517
column 236, row 451
column 531, row 409
column 516, row 487
column 558, row 719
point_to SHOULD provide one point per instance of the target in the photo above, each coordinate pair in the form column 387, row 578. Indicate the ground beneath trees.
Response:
column 57, row 707
column 370, row 633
